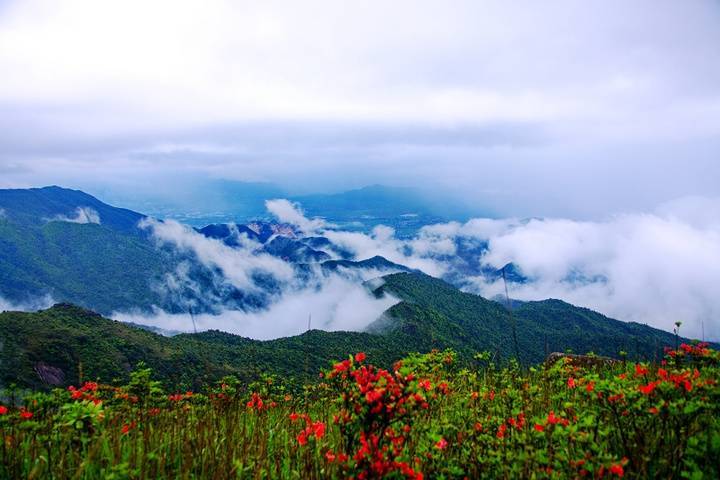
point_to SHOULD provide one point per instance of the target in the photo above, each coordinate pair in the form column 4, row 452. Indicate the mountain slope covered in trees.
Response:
column 60, row 342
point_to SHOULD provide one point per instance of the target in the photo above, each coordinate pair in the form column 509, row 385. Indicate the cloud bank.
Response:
column 650, row 268
column 335, row 304
column 654, row 268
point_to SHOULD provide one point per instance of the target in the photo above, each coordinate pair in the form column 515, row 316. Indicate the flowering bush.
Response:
column 423, row 418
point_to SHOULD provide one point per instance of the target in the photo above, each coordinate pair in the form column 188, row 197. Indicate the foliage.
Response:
column 427, row 417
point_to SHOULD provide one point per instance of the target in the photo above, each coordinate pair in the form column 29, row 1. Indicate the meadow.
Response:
column 427, row 417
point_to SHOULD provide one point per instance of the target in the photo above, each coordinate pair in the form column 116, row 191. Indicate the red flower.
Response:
column 617, row 469
column 648, row 389
column 552, row 419
column 571, row 382
column 302, row 438
column 318, row 429
column 539, row 427
column 3, row 410
column 25, row 415
column 294, row 416
column 360, row 357
column 501, row 431
column 653, row 410
column 590, row 387
column 640, row 370
column 441, row 444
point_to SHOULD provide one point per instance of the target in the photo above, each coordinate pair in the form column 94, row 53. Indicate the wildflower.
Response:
column 501, row 431
column 318, row 429
column 617, row 469
column 640, row 370
column 590, row 387
column 360, row 357
column 330, row 456
column 552, row 419
column 648, row 389
column 539, row 427
column 653, row 410
column 425, row 385
column 294, row 416
column 25, row 415
column 441, row 444
column 302, row 438
column 571, row 382
column 3, row 410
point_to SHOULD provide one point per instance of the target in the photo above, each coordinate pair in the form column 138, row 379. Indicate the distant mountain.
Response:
column 374, row 263
column 404, row 209
column 51, row 345
column 204, row 202
column 38, row 206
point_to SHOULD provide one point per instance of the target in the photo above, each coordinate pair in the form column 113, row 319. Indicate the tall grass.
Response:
column 427, row 418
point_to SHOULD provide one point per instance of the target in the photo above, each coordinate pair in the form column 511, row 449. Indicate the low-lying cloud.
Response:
column 650, row 268
column 336, row 304
column 237, row 265
column 81, row 215
column 29, row 305
column 288, row 212
column 653, row 268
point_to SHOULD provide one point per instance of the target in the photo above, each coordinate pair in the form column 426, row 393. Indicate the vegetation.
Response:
column 427, row 417
column 72, row 344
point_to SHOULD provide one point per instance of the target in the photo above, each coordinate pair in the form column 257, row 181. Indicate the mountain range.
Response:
column 53, row 346
column 92, row 257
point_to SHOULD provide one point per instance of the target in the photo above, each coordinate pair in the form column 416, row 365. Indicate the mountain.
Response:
column 70, row 246
column 404, row 209
column 374, row 263
column 54, row 343
column 434, row 312
column 37, row 206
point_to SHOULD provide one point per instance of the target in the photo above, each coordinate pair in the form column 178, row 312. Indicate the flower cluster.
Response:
column 86, row 392
column 312, row 429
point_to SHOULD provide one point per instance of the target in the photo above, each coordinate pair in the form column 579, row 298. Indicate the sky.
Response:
column 559, row 108
column 600, row 121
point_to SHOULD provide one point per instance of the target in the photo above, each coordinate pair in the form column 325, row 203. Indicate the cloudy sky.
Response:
column 579, row 109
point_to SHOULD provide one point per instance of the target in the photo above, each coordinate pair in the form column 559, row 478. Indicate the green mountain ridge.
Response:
column 64, row 339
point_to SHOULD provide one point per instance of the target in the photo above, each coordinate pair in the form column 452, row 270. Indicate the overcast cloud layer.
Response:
column 563, row 108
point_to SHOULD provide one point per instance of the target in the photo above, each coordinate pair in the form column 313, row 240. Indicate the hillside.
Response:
column 70, row 246
column 433, row 314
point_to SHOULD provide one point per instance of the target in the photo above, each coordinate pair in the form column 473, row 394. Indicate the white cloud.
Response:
column 82, row 215
column 31, row 305
column 337, row 304
column 236, row 264
column 654, row 268
column 288, row 212
column 650, row 268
